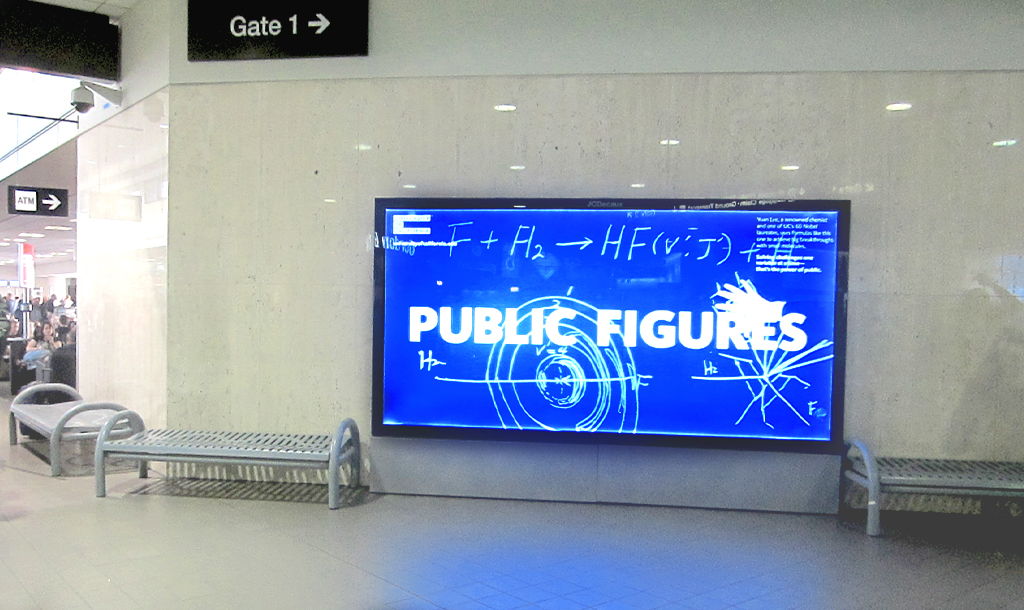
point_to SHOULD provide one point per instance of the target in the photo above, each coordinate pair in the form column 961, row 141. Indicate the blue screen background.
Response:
column 751, row 267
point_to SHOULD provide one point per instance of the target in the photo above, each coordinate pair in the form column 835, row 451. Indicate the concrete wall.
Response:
column 469, row 38
column 269, row 288
column 270, row 295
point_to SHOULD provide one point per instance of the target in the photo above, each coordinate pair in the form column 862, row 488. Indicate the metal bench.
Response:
column 325, row 452
column 928, row 476
column 69, row 419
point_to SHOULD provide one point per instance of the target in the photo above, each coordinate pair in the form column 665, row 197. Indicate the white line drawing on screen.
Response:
column 635, row 242
column 707, row 252
column 767, row 374
column 785, row 247
column 429, row 361
column 819, row 412
column 582, row 244
column 528, row 241
column 454, row 242
column 781, row 246
column 580, row 387
column 615, row 244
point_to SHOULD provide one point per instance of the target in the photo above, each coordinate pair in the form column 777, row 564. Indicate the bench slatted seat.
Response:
column 928, row 476
column 227, row 445
column 325, row 452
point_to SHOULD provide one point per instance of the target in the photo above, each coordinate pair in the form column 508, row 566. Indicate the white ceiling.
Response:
column 114, row 8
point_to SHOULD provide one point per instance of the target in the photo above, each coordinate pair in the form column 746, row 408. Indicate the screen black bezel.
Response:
column 832, row 446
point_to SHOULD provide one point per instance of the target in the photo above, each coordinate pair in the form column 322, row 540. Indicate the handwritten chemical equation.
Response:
column 619, row 242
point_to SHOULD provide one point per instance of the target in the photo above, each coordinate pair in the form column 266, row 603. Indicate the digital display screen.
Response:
column 670, row 322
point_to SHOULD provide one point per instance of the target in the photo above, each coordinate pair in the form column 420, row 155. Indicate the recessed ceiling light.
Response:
column 669, row 142
column 19, row 240
column 62, row 253
column 164, row 126
column 330, row 201
column 408, row 186
column 58, row 228
column 638, row 185
column 789, row 168
column 514, row 289
column 1002, row 143
column 899, row 106
column 517, row 167
column 519, row 206
column 505, row 108
column 4, row 243
column 31, row 235
column 363, row 147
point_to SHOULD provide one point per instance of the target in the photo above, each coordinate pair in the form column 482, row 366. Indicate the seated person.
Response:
column 63, row 362
column 41, row 345
column 61, row 328
column 14, row 332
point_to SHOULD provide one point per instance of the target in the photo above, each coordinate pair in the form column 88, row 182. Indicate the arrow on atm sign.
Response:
column 37, row 201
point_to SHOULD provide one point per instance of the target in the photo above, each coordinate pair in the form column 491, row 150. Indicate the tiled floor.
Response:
column 60, row 547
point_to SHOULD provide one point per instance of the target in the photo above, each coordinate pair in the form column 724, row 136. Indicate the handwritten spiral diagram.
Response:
column 580, row 387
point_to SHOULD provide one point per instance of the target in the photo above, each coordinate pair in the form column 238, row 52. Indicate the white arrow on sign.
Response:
column 321, row 22
column 53, row 202
column 582, row 244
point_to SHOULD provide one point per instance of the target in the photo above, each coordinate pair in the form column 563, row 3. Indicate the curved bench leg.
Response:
column 334, row 481
column 101, row 473
column 55, row 454
column 14, row 429
column 356, row 470
column 874, row 526
column 143, row 469
column 874, row 485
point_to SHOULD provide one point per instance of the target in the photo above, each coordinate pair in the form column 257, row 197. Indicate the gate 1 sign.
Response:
column 673, row 322
column 266, row 30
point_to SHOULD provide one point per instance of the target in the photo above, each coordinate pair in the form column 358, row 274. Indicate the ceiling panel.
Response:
column 114, row 8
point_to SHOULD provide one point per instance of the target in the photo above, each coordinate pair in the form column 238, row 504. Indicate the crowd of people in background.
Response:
column 40, row 309
column 51, row 330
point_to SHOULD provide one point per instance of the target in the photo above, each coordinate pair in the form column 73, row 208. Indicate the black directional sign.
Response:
column 59, row 40
column 276, row 30
column 36, row 201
